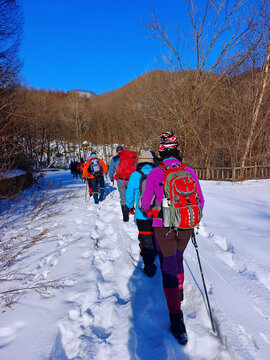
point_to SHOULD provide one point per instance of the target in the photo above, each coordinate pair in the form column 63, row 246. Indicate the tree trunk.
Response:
column 255, row 117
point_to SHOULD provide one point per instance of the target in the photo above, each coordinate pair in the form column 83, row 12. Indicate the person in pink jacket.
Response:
column 170, row 243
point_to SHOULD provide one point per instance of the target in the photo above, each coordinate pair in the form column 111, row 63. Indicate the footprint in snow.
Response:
column 8, row 334
column 94, row 234
column 86, row 255
column 61, row 251
column 100, row 225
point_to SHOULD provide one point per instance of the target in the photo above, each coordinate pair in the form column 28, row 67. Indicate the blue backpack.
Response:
column 95, row 167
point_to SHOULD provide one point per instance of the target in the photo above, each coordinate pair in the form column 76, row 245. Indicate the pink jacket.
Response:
column 154, row 187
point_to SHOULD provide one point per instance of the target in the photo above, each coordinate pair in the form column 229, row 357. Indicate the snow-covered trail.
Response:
column 108, row 309
column 234, row 247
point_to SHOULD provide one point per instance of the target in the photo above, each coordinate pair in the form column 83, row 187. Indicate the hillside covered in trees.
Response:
column 219, row 109
column 212, row 129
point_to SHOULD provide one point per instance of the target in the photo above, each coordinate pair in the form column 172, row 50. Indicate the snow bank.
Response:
column 106, row 308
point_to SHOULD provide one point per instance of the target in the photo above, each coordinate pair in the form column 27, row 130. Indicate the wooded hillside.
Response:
column 212, row 130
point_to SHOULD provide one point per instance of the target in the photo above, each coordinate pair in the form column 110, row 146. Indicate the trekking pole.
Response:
column 86, row 191
column 206, row 295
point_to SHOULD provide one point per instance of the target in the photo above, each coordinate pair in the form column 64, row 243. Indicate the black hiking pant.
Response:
column 147, row 241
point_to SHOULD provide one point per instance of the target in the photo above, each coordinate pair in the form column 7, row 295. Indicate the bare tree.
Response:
column 224, row 34
column 10, row 35
column 263, row 86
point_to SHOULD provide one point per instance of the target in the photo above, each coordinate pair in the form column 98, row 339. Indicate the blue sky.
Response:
column 99, row 45
column 90, row 45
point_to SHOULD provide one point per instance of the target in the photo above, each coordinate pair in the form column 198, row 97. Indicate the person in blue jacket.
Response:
column 115, row 162
column 145, row 164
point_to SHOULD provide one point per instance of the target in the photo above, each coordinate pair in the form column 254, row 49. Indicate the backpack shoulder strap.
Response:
column 163, row 167
column 140, row 172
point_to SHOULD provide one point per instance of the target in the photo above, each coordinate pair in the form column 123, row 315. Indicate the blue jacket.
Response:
column 113, row 166
column 133, row 191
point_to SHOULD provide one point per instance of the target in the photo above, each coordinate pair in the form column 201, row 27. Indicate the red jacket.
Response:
column 80, row 166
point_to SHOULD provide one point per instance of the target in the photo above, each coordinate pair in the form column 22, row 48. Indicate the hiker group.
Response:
column 166, row 199
column 92, row 171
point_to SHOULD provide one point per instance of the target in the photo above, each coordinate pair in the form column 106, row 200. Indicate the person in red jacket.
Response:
column 94, row 170
column 80, row 167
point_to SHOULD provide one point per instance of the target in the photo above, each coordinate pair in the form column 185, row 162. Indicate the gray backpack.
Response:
column 142, row 187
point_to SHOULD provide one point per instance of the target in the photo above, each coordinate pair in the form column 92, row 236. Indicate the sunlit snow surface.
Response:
column 107, row 308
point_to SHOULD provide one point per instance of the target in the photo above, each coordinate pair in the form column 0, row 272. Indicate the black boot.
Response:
column 125, row 212
column 150, row 270
column 178, row 328
column 148, row 256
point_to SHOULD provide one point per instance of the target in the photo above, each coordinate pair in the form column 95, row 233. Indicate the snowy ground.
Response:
column 106, row 308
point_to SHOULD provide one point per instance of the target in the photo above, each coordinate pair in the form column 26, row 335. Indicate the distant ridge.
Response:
column 105, row 93
column 85, row 93
column 90, row 94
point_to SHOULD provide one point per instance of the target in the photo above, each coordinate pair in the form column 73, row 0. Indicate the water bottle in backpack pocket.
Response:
column 166, row 213
column 183, row 211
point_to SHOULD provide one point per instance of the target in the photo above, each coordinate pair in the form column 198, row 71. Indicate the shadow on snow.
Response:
column 149, row 336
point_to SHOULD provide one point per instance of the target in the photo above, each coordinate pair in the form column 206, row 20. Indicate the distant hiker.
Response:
column 80, row 167
column 76, row 168
column 145, row 164
column 171, row 240
column 94, row 170
column 70, row 167
column 73, row 168
column 120, row 169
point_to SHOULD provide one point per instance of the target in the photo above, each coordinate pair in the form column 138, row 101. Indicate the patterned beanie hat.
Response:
column 168, row 145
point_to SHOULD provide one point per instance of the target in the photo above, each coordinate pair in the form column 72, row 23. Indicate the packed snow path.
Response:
column 108, row 309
